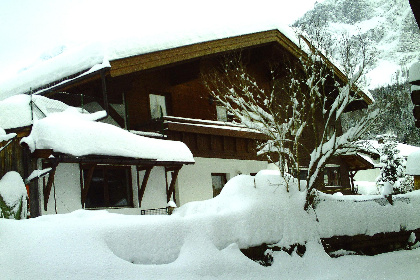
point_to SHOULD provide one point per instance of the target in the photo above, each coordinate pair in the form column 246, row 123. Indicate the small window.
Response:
column 332, row 176
column 109, row 187
column 303, row 174
column 221, row 113
column 218, row 181
column 158, row 108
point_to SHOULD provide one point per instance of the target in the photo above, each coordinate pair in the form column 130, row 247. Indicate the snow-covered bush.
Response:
column 13, row 197
column 392, row 179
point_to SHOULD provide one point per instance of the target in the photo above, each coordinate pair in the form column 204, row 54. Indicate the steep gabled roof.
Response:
column 187, row 52
column 87, row 57
column 161, row 57
column 415, row 7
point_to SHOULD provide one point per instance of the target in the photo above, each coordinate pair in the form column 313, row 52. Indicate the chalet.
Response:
column 159, row 95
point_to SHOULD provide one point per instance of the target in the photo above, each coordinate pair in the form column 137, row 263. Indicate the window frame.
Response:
column 224, row 177
column 328, row 171
column 219, row 111
column 84, row 169
column 167, row 98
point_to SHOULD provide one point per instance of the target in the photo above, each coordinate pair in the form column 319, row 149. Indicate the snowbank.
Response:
column 76, row 134
column 201, row 240
column 353, row 215
column 413, row 163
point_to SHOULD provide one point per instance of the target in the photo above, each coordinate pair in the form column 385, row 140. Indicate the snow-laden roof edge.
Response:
column 88, row 57
column 76, row 134
column 81, row 61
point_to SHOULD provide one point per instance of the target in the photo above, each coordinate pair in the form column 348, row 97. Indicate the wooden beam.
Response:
column 104, row 93
column 47, row 189
column 86, row 184
column 142, row 189
column 416, row 112
column 171, row 189
column 415, row 7
column 214, row 130
column 114, row 160
column 116, row 117
column 42, row 153
column 415, row 97
column 176, row 55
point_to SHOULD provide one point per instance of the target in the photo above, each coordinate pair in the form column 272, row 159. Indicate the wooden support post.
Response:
column 171, row 189
column 352, row 187
column 143, row 183
column 47, row 189
column 104, row 93
column 117, row 118
column 34, row 199
column 86, row 185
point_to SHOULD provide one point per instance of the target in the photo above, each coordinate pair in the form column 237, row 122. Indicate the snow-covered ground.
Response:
column 202, row 240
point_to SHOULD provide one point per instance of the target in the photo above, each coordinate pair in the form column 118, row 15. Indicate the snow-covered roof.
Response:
column 76, row 134
column 20, row 105
column 27, row 108
column 405, row 149
column 137, row 28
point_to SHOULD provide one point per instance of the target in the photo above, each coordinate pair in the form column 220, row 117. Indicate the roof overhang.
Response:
column 103, row 159
column 415, row 7
column 175, row 55
column 73, row 81
column 356, row 162
column 172, row 56
column 364, row 97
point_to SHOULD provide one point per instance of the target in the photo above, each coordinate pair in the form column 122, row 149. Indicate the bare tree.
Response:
column 305, row 95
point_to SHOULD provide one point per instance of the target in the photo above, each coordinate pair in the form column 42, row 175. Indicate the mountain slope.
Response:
column 389, row 27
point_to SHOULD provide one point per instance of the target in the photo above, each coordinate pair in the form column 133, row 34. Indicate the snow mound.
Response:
column 413, row 163
column 13, row 194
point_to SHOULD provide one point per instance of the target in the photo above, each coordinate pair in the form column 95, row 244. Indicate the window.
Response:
column 332, row 176
column 218, row 181
column 303, row 174
column 221, row 113
column 110, row 186
column 158, row 108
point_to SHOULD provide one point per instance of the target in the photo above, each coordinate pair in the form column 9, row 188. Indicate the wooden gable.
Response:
column 182, row 54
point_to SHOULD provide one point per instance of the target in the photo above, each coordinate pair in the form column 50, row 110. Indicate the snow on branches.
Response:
column 303, row 97
column 393, row 178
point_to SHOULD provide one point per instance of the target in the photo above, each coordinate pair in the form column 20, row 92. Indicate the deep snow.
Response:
column 201, row 240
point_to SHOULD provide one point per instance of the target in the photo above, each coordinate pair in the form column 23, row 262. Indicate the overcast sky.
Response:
column 30, row 28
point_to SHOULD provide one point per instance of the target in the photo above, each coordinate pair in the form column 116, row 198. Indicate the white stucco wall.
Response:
column 369, row 175
column 155, row 193
column 67, row 196
column 194, row 181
